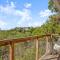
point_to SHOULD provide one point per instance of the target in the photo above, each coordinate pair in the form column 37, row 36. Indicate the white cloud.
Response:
column 34, row 24
column 27, row 5
column 10, row 9
column 12, row 4
column 45, row 13
column 2, row 23
column 26, row 16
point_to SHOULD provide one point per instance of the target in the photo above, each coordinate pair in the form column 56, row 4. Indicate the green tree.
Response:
column 54, row 5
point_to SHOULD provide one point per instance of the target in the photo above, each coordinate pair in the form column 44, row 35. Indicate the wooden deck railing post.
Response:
column 48, row 47
column 11, row 57
column 37, row 49
column 51, row 44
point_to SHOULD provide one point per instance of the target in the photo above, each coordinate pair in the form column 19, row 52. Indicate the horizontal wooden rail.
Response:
column 9, row 41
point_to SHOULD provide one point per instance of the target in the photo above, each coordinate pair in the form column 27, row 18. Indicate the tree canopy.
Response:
column 54, row 5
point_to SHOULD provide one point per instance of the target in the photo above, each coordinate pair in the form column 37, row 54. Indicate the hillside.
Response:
column 26, row 50
column 52, row 25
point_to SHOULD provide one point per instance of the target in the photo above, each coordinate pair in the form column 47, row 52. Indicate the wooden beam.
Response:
column 47, row 45
column 8, row 41
column 37, row 49
column 11, row 55
column 56, row 2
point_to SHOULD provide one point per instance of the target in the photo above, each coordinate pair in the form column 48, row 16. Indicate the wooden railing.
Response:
column 12, row 42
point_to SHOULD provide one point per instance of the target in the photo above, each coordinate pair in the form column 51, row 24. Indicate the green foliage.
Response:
column 51, row 6
column 51, row 26
column 26, row 50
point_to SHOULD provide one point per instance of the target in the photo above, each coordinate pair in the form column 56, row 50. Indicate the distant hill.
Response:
column 52, row 25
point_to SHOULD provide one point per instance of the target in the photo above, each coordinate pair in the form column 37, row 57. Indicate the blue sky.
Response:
column 23, row 13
